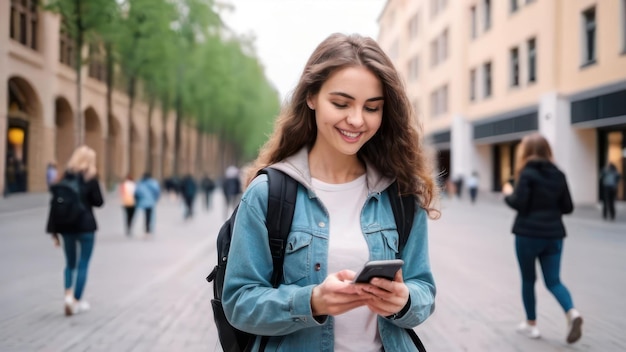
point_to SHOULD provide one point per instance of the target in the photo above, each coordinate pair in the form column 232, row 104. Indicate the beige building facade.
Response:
column 484, row 73
column 38, row 105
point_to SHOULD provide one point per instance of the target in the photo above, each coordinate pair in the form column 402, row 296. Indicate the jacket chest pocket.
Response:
column 391, row 242
column 297, row 258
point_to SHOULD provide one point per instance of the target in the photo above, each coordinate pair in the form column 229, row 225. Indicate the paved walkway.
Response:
column 150, row 295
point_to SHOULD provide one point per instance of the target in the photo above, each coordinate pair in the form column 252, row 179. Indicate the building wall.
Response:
column 562, row 77
column 50, row 88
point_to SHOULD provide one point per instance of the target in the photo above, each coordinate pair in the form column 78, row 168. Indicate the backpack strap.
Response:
column 280, row 208
column 402, row 206
column 281, row 204
column 403, row 212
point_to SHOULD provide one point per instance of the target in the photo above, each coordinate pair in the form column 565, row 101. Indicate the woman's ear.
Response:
column 309, row 102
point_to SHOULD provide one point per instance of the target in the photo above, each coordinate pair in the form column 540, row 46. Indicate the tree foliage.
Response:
column 179, row 51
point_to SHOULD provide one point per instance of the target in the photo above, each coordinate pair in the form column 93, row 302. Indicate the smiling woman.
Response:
column 349, row 138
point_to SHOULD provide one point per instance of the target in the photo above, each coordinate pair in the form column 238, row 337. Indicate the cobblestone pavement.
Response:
column 150, row 295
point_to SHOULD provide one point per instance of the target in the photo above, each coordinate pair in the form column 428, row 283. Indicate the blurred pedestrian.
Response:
column 347, row 134
column 208, row 186
column 188, row 193
column 51, row 173
column 78, row 234
column 231, row 185
column 472, row 186
column 127, row 194
column 610, row 180
column 458, row 185
column 541, row 197
column 147, row 195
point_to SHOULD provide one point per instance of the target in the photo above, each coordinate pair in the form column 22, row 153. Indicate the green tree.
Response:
column 82, row 19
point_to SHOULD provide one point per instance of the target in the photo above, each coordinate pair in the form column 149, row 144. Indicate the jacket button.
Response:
column 321, row 224
column 318, row 266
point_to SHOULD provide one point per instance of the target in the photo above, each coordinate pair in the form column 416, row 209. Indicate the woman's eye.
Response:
column 341, row 106
column 371, row 109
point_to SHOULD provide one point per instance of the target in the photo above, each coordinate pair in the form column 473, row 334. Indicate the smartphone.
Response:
column 379, row 268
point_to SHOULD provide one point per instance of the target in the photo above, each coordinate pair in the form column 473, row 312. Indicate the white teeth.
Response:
column 350, row 134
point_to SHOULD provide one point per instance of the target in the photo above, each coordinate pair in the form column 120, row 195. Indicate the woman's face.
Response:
column 348, row 110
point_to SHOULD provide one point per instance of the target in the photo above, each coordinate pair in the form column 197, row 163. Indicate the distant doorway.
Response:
column 16, row 161
column 613, row 150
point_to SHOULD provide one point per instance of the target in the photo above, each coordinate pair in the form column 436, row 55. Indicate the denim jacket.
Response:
column 251, row 303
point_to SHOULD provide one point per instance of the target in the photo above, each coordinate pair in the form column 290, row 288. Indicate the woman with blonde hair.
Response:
column 79, row 233
column 347, row 134
column 541, row 197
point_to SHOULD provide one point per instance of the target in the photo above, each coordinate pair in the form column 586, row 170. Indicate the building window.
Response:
column 394, row 51
column 589, row 36
column 443, row 46
column 413, row 69
column 487, row 79
column 487, row 14
column 97, row 67
column 473, row 29
column 434, row 52
column 24, row 22
column 623, row 18
column 514, row 67
column 413, row 27
column 514, row 6
column 437, row 6
column 67, row 55
column 532, row 60
column 472, row 87
column 444, row 99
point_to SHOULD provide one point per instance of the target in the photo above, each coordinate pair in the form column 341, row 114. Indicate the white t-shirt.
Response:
column 355, row 330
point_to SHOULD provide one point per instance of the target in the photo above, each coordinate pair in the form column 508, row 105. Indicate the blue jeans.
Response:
column 548, row 251
column 85, row 241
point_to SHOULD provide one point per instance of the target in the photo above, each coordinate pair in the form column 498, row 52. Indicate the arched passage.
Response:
column 94, row 137
column 155, row 161
column 167, row 157
column 115, row 151
column 64, row 137
column 138, row 158
column 24, row 164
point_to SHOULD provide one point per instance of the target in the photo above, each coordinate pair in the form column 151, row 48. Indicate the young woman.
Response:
column 347, row 133
column 78, row 237
column 541, row 197
column 127, row 195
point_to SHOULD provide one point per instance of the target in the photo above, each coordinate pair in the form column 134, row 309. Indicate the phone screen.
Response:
column 379, row 268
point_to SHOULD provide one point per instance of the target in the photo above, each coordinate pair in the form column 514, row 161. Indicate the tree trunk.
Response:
column 149, row 161
column 177, row 123
column 164, row 111
column 110, row 143
column 131, row 106
column 78, row 122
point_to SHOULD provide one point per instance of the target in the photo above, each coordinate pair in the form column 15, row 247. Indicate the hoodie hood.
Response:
column 297, row 166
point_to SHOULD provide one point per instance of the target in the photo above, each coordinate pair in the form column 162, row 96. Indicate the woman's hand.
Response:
column 55, row 240
column 337, row 294
column 386, row 297
column 507, row 189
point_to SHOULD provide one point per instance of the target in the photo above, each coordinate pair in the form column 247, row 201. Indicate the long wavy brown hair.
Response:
column 396, row 149
column 533, row 147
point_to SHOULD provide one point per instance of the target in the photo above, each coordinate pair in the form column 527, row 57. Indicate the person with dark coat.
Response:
column 207, row 185
column 541, row 197
column 78, row 237
column 609, row 178
column 188, row 190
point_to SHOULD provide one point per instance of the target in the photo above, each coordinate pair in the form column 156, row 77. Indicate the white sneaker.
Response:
column 530, row 331
column 574, row 326
column 80, row 307
column 69, row 305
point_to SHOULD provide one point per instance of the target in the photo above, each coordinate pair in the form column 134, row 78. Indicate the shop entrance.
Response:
column 613, row 150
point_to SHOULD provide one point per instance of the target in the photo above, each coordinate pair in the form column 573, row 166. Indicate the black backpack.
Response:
column 280, row 209
column 66, row 205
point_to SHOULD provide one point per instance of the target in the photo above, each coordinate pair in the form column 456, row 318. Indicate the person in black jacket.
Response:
column 541, row 197
column 79, row 236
